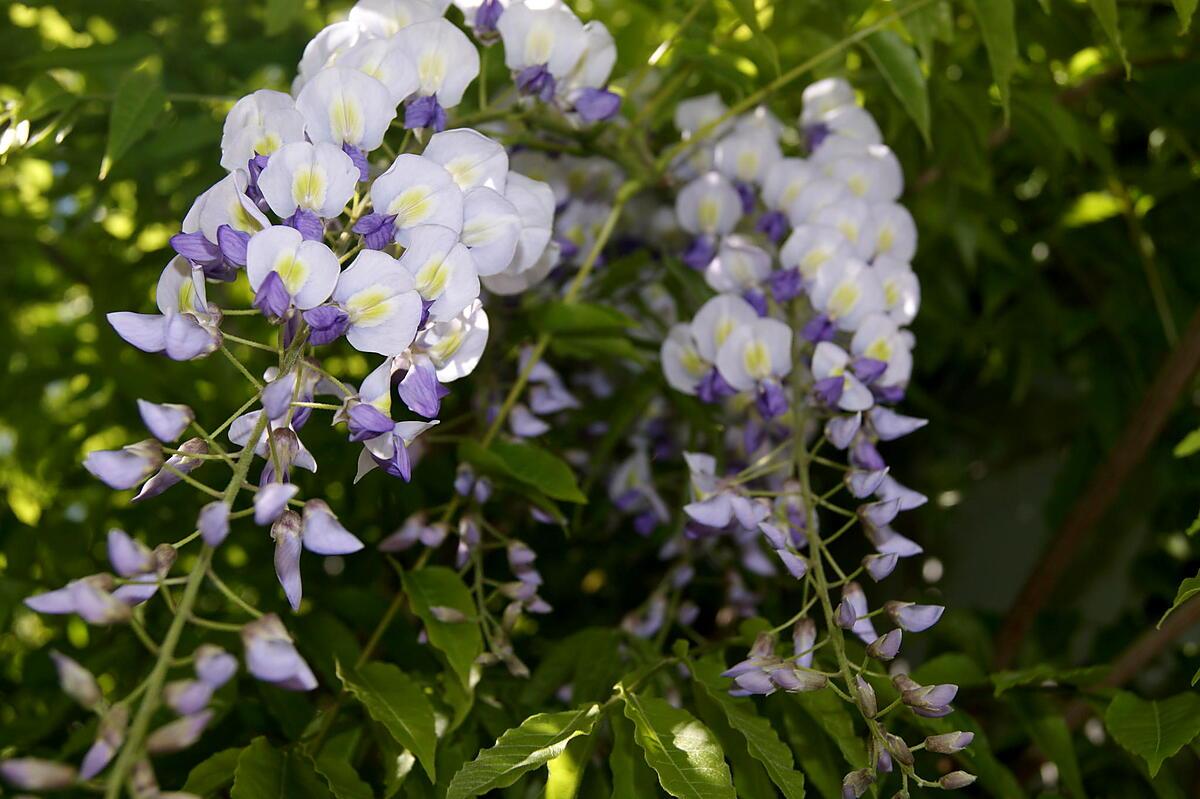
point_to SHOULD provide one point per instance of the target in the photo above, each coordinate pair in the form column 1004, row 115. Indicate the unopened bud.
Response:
column 955, row 780
column 856, row 783
column 898, row 748
column 866, row 698
column 76, row 681
column 950, row 742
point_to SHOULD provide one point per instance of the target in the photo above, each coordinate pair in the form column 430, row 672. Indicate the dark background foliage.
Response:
column 1057, row 259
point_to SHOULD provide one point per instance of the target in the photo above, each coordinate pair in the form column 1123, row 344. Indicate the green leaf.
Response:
column 565, row 772
column 1153, row 730
column 1106, row 12
column 1044, row 672
column 213, row 774
column 688, row 759
column 1187, row 589
column 535, row 742
column 955, row 667
column 343, row 780
column 1190, row 445
column 1185, row 9
column 831, row 715
column 901, row 69
column 460, row 642
column 814, row 751
column 264, row 772
column 748, row 14
column 281, row 14
column 399, row 704
column 581, row 318
column 998, row 24
column 631, row 777
column 138, row 101
column 761, row 741
column 528, row 464
column 1052, row 736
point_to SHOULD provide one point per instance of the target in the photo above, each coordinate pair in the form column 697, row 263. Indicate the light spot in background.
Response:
column 948, row 499
column 932, row 570
column 334, row 565
column 1040, row 251
column 1049, row 775
column 1177, row 546
column 1093, row 730
column 593, row 581
column 77, row 632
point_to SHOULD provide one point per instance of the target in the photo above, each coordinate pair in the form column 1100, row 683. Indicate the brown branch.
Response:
column 1141, row 431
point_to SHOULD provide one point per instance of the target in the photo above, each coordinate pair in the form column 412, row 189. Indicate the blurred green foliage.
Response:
column 1057, row 257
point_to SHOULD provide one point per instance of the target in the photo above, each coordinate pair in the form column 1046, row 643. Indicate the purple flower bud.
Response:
column 233, row 244
column 196, row 248
column 867, row 702
column 214, row 666
column 109, row 738
column 126, row 467
column 536, row 81
column 886, row 646
column 856, row 600
column 845, row 615
column 486, row 17
column 879, row 514
column 271, row 500
column 308, row 223
column 955, row 780
column 880, row 566
column 377, row 230
column 856, row 783
column 595, row 105
column 772, row 400
column 785, row 284
column 714, row 388
column 862, row 484
column 886, row 540
column 179, row 734
column 76, row 681
column 889, row 488
column 700, row 253
column 272, row 297
column 421, row 391
column 815, row 134
column 359, row 158
column 804, row 638
column 168, row 475
column 883, row 762
column 186, row 697
column 525, row 424
column 889, row 425
column 277, row 395
column 286, row 532
column 931, row 701
column 127, row 556
column 950, row 742
column 34, row 774
column 819, row 328
column 185, row 339
column 796, row 565
column 774, row 224
column 323, row 534
column 746, row 195
column 88, row 597
column 165, row 422
column 757, row 300
column 425, row 112
column 213, row 523
column 272, row 657
column 366, row 422
column 865, row 456
column 914, row 618
column 898, row 749
column 841, row 430
column 756, row 682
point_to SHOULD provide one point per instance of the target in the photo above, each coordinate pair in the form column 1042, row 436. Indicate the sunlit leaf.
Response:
column 684, row 753
column 399, row 704
column 997, row 22
column 901, row 69
column 439, row 587
column 138, row 101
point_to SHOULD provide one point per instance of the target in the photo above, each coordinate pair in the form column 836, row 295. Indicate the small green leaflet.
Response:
column 688, row 759
column 1106, row 12
column 460, row 642
column 138, row 101
column 1153, row 730
column 1190, row 445
column 213, row 774
column 998, row 25
column 747, row 12
column 901, row 69
column 527, row 464
column 1044, row 672
column 398, row 703
column 761, row 741
column 538, row 740
column 1185, row 9
column 343, row 780
column 1187, row 589
column 264, row 772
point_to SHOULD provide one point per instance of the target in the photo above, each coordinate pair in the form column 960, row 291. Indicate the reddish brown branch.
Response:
column 1140, row 432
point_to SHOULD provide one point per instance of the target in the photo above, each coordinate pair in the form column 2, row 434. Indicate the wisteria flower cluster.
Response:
column 356, row 219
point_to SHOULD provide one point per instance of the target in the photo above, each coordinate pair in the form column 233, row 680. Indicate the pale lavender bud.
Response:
column 796, row 565
column 324, row 534
column 881, row 513
column 186, row 697
column 214, row 666
column 166, row 422
column 880, row 566
column 949, row 742
column 804, row 638
column 286, row 533
column 34, row 774
column 856, row 612
column 899, row 749
column 912, row 617
column 272, row 657
column 867, row 702
column 271, row 500
column 76, row 681
column 862, row 483
column 213, row 523
column 126, row 467
column 142, row 781
column 108, row 740
column 931, row 701
column 277, row 395
column 447, row 614
column 169, row 474
column 404, row 538
column 434, row 534
column 856, row 783
column 890, row 425
column 798, row 680
column 845, row 615
column 755, row 682
column 841, row 430
column 179, row 734
column 955, row 780
column 127, row 556
column 886, row 646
